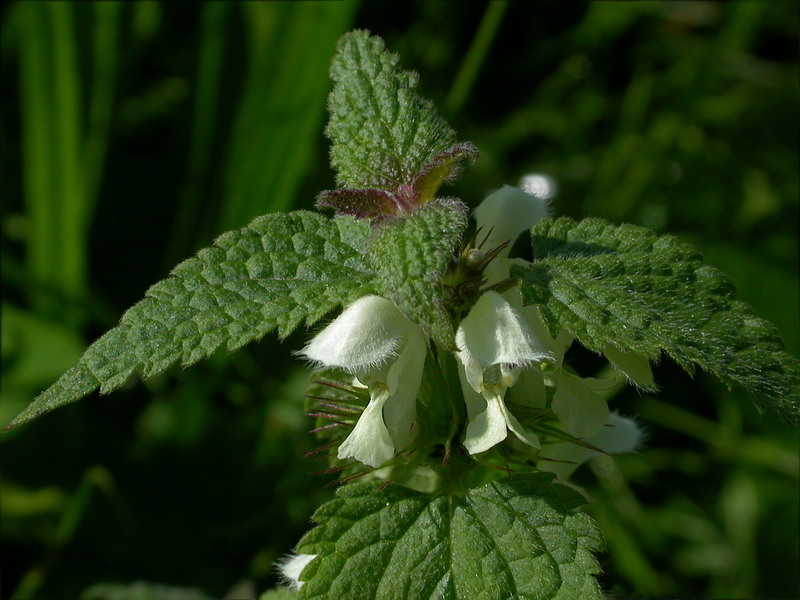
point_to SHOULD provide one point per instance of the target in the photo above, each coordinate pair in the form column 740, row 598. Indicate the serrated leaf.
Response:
column 383, row 133
column 279, row 271
column 625, row 285
column 410, row 257
column 514, row 538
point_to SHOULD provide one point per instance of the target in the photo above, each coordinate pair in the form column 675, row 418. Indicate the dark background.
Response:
column 135, row 133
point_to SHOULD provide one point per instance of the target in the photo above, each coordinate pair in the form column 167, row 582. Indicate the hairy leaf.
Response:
column 514, row 538
column 410, row 257
column 625, row 285
column 279, row 271
column 383, row 133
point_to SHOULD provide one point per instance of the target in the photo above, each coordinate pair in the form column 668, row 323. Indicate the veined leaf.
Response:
column 279, row 271
column 410, row 257
column 514, row 538
column 383, row 133
column 625, row 285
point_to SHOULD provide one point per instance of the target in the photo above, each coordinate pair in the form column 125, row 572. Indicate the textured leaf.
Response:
column 383, row 133
column 410, row 257
column 277, row 272
column 445, row 166
column 629, row 287
column 359, row 203
column 514, row 538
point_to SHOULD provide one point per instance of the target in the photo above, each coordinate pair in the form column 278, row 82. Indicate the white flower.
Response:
column 386, row 352
column 501, row 345
column 494, row 343
column 619, row 435
column 506, row 213
column 292, row 566
column 576, row 403
column 634, row 366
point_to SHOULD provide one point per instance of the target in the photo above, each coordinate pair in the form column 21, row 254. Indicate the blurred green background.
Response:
column 134, row 133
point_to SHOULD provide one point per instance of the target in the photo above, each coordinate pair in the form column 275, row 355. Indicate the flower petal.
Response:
column 400, row 414
column 517, row 429
column 370, row 442
column 620, row 435
column 582, row 411
column 506, row 213
column 292, row 567
column 529, row 390
column 488, row 429
column 475, row 401
column 362, row 337
column 491, row 426
column 406, row 371
column 533, row 319
column 493, row 333
column 404, row 379
column 635, row 366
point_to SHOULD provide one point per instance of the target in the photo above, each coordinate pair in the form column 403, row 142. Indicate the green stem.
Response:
column 476, row 55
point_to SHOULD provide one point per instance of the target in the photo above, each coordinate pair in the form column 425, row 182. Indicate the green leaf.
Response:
column 624, row 285
column 277, row 272
column 514, row 538
column 383, row 133
column 410, row 257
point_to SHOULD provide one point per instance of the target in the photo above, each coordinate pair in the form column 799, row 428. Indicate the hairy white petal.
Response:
column 400, row 414
column 533, row 319
column 370, row 442
column 558, row 346
column 406, row 371
column 620, row 435
column 493, row 333
column 491, row 426
column 292, row 566
column 635, row 366
column 362, row 337
column 488, row 429
column 475, row 401
column 404, row 380
column 582, row 411
column 515, row 427
column 529, row 390
column 506, row 213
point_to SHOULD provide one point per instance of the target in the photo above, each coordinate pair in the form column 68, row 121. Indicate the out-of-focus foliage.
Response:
column 134, row 133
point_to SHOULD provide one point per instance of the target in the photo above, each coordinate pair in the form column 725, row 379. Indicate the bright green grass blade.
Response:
column 71, row 199
column 51, row 118
column 476, row 56
column 282, row 107
column 105, row 40
column 210, row 61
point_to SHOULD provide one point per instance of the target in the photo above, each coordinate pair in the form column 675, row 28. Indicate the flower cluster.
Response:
column 505, row 354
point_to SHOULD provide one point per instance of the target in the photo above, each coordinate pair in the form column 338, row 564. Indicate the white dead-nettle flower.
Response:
column 290, row 568
column 494, row 343
column 578, row 402
column 619, row 435
column 506, row 213
column 386, row 352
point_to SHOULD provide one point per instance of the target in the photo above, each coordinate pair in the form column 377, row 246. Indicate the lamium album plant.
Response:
column 442, row 397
